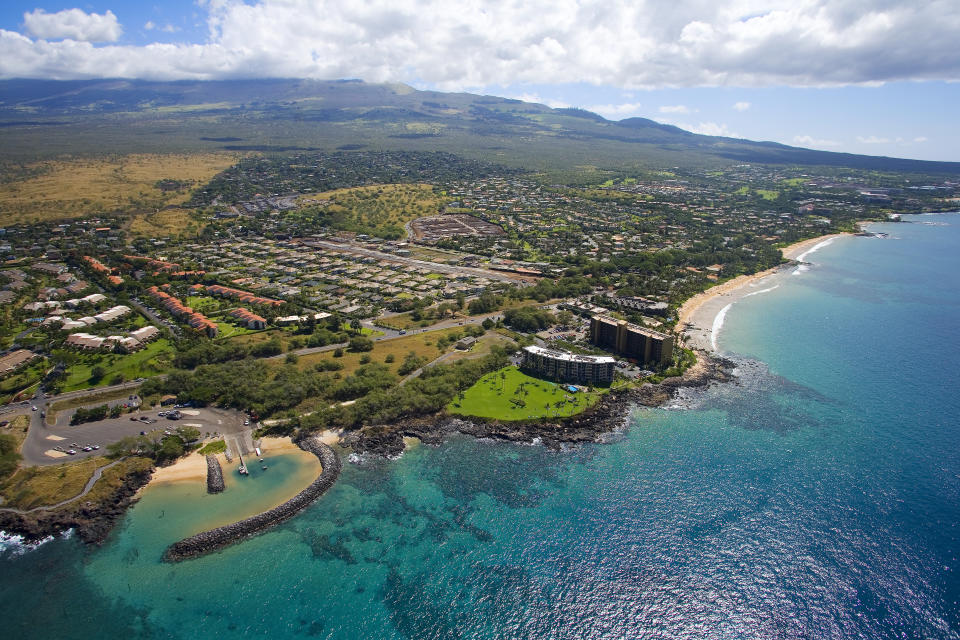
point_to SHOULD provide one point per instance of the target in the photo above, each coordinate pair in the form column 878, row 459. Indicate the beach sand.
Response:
column 699, row 316
column 193, row 468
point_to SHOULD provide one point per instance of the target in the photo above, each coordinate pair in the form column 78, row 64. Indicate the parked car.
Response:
column 71, row 452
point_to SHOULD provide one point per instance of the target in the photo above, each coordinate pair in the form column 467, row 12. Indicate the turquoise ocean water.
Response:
column 819, row 497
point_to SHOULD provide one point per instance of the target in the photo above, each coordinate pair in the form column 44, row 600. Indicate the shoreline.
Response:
column 608, row 416
column 193, row 468
column 698, row 318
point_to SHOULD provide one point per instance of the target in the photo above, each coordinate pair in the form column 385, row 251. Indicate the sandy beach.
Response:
column 193, row 468
column 698, row 317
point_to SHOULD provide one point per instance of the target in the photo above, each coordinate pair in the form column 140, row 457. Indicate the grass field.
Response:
column 213, row 447
column 27, row 377
column 510, row 394
column 203, row 304
column 166, row 222
column 37, row 486
column 34, row 486
column 85, row 187
column 228, row 330
column 421, row 344
column 380, row 210
column 156, row 358
column 17, row 428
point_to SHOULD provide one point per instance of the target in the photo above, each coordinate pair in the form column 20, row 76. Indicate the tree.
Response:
column 360, row 343
column 488, row 324
column 338, row 352
column 188, row 434
column 355, row 325
column 97, row 373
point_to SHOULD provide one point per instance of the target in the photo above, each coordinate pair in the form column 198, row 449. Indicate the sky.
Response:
column 877, row 77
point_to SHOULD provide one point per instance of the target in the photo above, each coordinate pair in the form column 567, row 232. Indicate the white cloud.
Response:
column 616, row 111
column 678, row 108
column 631, row 44
column 706, row 128
column 73, row 24
column 169, row 28
column 149, row 25
column 872, row 140
column 920, row 139
column 536, row 99
column 810, row 141
column 741, row 106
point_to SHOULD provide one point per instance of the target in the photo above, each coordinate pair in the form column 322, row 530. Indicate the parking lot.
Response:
column 48, row 444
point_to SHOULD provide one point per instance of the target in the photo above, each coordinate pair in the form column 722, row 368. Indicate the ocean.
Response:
column 816, row 497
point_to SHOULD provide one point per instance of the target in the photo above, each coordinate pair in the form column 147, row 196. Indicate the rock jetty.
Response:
column 214, row 475
column 216, row 539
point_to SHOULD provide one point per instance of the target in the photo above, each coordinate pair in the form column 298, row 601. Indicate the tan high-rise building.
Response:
column 632, row 341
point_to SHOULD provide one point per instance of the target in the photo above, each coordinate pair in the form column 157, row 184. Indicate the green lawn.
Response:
column 767, row 194
column 155, row 359
column 22, row 379
column 229, row 330
column 510, row 394
column 203, row 304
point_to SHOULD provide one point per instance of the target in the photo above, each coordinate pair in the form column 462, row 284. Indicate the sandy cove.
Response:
column 697, row 315
column 193, row 468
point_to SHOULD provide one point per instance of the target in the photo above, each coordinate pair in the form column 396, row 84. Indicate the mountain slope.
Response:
column 42, row 118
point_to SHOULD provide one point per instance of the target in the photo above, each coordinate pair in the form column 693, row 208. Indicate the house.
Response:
column 15, row 360
column 252, row 320
column 145, row 334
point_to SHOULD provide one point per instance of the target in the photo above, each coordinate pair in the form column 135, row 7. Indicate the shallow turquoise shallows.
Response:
column 819, row 497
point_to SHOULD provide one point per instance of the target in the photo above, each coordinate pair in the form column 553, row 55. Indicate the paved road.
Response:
column 165, row 325
column 97, row 474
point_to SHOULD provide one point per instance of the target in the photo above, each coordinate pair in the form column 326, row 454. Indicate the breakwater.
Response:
column 216, row 539
column 214, row 475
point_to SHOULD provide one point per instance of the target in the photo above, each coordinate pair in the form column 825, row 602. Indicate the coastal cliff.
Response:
column 608, row 415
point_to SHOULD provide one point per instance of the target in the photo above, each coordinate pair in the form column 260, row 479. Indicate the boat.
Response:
column 242, row 469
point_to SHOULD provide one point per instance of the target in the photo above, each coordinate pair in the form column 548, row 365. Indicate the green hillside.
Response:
column 43, row 118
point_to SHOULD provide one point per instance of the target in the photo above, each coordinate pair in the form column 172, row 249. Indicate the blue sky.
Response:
column 863, row 76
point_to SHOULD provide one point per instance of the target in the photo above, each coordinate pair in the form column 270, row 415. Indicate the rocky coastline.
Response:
column 90, row 521
column 608, row 415
column 216, row 539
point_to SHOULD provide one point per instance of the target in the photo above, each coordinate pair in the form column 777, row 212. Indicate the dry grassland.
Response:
column 88, row 187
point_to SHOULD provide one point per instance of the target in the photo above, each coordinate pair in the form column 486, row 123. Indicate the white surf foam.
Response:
column 761, row 291
column 17, row 546
column 820, row 245
column 717, row 324
column 720, row 317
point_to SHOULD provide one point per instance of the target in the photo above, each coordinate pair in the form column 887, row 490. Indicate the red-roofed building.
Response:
column 252, row 320
column 184, row 313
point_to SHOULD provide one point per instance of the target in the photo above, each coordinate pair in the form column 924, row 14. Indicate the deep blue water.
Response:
column 816, row 498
